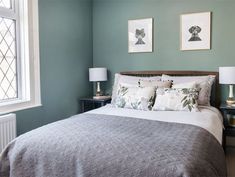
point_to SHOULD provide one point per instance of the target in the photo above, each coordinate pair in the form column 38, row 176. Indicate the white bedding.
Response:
column 208, row 118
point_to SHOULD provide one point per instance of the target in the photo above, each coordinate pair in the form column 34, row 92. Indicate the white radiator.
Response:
column 7, row 129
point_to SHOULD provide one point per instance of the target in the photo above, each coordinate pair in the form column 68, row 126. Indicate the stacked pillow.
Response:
column 204, row 83
column 156, row 93
column 128, row 81
column 176, row 99
column 141, row 98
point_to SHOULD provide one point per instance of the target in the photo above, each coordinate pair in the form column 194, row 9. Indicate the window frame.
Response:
column 28, row 69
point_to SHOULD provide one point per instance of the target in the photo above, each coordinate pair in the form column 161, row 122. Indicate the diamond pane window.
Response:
column 5, row 4
column 8, row 79
column 19, row 61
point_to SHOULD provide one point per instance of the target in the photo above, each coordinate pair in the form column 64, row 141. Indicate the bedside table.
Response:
column 88, row 104
column 227, row 112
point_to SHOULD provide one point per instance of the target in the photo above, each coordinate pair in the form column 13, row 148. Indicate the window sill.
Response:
column 18, row 107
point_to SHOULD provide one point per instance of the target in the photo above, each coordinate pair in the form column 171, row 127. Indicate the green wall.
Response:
column 65, row 28
column 76, row 34
column 110, row 24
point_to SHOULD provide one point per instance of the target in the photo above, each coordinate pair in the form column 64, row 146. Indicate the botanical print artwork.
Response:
column 140, row 35
column 195, row 31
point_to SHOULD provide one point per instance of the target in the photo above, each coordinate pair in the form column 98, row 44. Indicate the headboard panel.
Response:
column 215, row 87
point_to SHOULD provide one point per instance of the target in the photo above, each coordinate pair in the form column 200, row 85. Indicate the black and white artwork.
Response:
column 196, row 31
column 140, row 35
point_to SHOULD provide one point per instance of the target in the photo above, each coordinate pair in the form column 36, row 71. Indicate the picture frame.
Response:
column 140, row 35
column 195, row 29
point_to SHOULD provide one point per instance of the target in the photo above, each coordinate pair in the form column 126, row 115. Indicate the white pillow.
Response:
column 185, row 85
column 170, row 99
column 203, row 82
column 135, row 97
column 129, row 80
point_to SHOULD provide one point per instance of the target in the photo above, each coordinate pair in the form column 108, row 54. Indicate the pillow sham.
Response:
column 170, row 99
column 135, row 97
column 204, row 83
column 128, row 80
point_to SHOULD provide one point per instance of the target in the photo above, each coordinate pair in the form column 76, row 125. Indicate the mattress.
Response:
column 208, row 117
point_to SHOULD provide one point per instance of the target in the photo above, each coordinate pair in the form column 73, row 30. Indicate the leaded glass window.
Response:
column 8, row 79
column 19, row 55
column 5, row 4
column 8, row 51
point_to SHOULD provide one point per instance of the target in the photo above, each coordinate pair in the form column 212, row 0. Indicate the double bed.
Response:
column 114, row 142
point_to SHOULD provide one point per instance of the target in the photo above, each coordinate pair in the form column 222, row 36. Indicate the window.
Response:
column 8, row 61
column 19, row 55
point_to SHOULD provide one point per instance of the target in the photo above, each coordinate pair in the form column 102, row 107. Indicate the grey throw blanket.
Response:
column 90, row 145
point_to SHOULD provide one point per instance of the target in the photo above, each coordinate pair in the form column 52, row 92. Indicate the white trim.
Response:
column 18, row 106
column 36, row 52
column 9, row 13
column 19, row 50
column 31, row 93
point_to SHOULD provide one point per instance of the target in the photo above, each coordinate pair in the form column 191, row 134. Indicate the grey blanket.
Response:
column 90, row 145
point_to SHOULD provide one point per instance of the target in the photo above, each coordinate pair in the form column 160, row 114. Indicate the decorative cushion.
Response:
column 128, row 80
column 170, row 99
column 153, row 83
column 204, row 83
column 135, row 97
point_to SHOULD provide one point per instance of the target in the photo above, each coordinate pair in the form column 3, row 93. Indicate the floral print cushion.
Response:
column 154, row 83
column 203, row 82
column 135, row 97
column 128, row 80
column 176, row 99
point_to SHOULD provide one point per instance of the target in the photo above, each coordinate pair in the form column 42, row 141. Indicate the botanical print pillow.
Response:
column 135, row 97
column 176, row 99
column 204, row 83
column 128, row 80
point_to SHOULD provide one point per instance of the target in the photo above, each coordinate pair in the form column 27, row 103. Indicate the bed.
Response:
column 113, row 142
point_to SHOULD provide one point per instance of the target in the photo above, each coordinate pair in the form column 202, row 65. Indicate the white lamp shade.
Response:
column 227, row 75
column 97, row 74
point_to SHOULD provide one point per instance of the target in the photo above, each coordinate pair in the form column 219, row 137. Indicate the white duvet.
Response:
column 208, row 118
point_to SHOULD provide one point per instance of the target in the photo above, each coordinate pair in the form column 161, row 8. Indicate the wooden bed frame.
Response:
column 215, row 87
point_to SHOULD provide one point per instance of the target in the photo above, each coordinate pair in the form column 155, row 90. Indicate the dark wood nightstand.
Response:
column 229, row 130
column 88, row 104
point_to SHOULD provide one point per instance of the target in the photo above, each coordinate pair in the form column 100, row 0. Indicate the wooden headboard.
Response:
column 215, row 88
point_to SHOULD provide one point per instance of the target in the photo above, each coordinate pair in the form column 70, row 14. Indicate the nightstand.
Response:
column 229, row 130
column 88, row 104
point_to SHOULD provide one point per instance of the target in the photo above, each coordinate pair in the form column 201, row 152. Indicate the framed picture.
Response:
column 140, row 35
column 195, row 31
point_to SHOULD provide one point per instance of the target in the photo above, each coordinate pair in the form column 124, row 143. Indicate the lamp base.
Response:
column 98, row 93
column 98, row 90
column 230, row 101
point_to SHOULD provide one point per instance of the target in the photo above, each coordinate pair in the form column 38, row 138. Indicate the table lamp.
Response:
column 227, row 76
column 97, row 75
